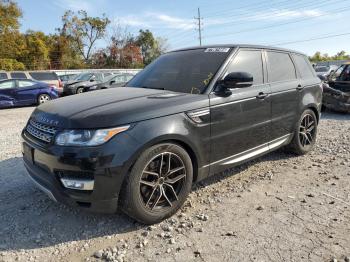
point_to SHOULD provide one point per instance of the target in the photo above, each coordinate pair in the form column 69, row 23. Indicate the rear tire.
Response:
column 305, row 133
column 158, row 184
column 43, row 98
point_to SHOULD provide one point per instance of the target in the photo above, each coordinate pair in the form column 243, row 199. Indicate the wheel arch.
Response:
column 315, row 110
column 186, row 145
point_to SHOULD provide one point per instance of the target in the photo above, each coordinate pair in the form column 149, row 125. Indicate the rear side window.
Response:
column 23, row 83
column 248, row 61
column 304, row 66
column 43, row 76
column 18, row 75
column 280, row 67
column 3, row 76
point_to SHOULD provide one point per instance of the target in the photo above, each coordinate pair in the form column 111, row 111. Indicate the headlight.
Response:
column 87, row 137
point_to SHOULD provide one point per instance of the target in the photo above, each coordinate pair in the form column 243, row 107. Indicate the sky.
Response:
column 289, row 24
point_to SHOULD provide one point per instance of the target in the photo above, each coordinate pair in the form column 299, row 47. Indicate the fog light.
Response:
column 78, row 184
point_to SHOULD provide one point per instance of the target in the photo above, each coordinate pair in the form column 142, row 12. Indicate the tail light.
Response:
column 53, row 87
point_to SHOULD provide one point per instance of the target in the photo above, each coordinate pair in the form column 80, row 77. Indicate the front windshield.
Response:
column 188, row 71
column 321, row 69
column 83, row 77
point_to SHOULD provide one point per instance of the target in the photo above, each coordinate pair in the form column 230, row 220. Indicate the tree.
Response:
column 11, row 40
column 151, row 47
column 84, row 30
column 35, row 56
column 9, row 16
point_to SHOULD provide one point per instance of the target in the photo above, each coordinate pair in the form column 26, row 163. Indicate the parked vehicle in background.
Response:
column 325, row 71
column 21, row 92
column 48, row 77
column 115, row 80
column 190, row 114
column 65, row 78
column 77, row 85
column 340, row 80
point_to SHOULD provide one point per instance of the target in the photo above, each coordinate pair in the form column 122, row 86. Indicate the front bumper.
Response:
column 47, row 166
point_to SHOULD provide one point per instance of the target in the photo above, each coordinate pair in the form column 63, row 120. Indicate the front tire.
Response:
column 80, row 90
column 158, row 184
column 304, row 134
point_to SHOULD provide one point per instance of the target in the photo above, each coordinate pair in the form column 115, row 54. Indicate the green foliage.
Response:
column 84, row 30
column 151, row 47
column 9, row 15
column 11, row 64
column 73, row 45
column 318, row 57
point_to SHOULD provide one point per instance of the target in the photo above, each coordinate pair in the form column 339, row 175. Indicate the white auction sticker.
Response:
column 217, row 50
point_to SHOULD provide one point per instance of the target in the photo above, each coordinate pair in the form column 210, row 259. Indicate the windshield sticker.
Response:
column 217, row 50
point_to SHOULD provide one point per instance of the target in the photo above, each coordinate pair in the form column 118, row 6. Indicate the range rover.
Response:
column 190, row 114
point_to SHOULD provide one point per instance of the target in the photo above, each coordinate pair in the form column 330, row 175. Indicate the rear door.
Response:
column 7, row 94
column 26, row 92
column 285, row 85
column 240, row 123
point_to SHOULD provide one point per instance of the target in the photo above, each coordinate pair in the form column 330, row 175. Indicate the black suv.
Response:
column 188, row 115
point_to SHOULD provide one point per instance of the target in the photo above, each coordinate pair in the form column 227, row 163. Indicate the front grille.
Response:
column 40, row 131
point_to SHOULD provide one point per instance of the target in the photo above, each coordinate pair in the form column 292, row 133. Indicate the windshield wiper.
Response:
column 149, row 87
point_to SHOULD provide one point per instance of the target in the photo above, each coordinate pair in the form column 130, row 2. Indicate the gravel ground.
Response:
column 276, row 208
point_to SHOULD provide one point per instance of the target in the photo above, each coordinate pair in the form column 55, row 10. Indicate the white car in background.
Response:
column 325, row 71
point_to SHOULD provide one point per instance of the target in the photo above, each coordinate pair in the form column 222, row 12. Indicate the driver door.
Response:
column 240, row 123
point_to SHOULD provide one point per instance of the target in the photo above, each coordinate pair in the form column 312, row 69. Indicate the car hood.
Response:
column 115, row 107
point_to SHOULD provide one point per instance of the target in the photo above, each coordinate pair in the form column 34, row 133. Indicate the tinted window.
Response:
column 188, row 71
column 23, row 83
column 43, row 76
column 6, row 84
column 248, row 61
column 3, row 76
column 281, row 67
column 304, row 66
column 18, row 75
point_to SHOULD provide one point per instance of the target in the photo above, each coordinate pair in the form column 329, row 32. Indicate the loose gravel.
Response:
column 277, row 208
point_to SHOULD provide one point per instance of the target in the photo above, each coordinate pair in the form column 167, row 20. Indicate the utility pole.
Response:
column 199, row 18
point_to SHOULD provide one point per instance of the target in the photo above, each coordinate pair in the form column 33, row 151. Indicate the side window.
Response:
column 98, row 77
column 24, row 84
column 305, row 69
column 3, row 76
column 18, row 75
column 280, row 67
column 7, row 85
column 345, row 74
column 119, row 79
column 249, row 61
column 128, row 78
column 43, row 76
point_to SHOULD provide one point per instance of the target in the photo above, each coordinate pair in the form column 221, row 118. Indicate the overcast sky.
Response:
column 273, row 22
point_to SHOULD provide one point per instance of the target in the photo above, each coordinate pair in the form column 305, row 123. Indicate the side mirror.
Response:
column 323, row 78
column 237, row 80
column 92, row 79
column 112, row 82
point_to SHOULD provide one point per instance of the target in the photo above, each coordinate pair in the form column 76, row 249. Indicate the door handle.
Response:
column 300, row 87
column 261, row 95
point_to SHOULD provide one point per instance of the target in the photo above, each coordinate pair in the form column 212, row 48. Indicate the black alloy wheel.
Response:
column 305, row 133
column 158, row 183
column 162, row 181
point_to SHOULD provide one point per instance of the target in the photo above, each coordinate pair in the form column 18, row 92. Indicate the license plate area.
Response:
column 28, row 153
